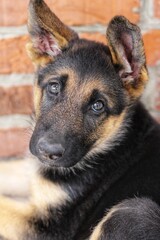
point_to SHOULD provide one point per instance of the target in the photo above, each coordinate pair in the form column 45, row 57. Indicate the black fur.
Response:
column 136, row 219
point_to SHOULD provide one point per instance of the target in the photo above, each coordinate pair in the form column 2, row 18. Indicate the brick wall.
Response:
column 89, row 18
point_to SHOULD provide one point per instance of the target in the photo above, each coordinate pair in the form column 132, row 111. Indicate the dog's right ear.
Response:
column 49, row 36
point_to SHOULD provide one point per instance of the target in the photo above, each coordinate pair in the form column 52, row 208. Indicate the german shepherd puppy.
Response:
column 99, row 149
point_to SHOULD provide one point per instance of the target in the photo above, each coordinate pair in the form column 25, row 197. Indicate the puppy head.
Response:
column 83, row 89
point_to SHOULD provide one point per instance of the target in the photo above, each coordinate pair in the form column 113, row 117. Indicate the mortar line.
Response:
column 9, row 32
column 15, row 79
column 15, row 121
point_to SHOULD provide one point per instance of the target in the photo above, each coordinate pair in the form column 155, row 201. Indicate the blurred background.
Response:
column 89, row 18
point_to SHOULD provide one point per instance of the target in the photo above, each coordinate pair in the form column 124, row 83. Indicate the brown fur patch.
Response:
column 107, row 133
column 113, row 54
column 37, row 98
column 36, row 57
column 135, row 91
column 84, row 91
column 96, row 84
column 97, row 232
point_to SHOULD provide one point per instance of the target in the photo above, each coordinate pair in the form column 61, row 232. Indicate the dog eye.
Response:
column 53, row 88
column 98, row 106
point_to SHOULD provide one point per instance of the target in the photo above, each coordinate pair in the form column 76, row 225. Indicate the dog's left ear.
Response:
column 49, row 36
column 127, row 50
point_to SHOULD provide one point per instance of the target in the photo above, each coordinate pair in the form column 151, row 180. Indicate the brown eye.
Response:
column 98, row 106
column 54, row 88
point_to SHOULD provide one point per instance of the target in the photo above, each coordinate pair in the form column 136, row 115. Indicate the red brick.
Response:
column 94, row 36
column 72, row 12
column 152, row 46
column 75, row 12
column 16, row 100
column 157, row 8
column 14, row 142
column 13, row 12
column 14, row 57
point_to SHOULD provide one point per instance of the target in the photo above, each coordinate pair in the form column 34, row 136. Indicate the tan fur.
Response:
column 13, row 218
column 137, row 90
column 96, row 84
column 84, row 91
column 37, row 98
column 113, row 54
column 107, row 133
column 46, row 193
column 37, row 58
column 110, row 127
column 15, row 215
column 97, row 232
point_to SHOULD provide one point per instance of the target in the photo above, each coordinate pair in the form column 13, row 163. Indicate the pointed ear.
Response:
column 127, row 50
column 49, row 36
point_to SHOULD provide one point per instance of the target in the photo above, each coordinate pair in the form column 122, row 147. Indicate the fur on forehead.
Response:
column 85, row 58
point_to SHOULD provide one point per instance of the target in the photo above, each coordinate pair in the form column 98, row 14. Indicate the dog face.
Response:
column 83, row 89
column 82, row 102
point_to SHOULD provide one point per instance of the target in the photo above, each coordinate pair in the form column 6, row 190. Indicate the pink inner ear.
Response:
column 131, row 67
column 127, row 43
column 46, row 43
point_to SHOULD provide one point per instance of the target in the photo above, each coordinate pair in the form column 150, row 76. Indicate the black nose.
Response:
column 49, row 151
